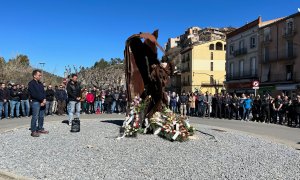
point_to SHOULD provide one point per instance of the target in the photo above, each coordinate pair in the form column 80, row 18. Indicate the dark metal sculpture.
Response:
column 146, row 76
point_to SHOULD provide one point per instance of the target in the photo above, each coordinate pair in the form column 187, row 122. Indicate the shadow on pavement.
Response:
column 116, row 122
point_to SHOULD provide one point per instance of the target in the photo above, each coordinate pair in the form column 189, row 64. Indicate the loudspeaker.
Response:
column 75, row 125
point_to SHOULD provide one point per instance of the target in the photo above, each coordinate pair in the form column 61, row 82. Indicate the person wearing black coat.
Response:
column 108, row 101
column 49, row 100
column 38, row 98
column 74, row 97
column 15, row 102
column 4, row 100
column 61, row 98
column 24, row 96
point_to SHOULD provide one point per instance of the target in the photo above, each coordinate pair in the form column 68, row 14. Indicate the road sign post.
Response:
column 255, row 86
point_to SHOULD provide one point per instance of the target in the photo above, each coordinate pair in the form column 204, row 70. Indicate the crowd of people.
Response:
column 281, row 109
column 39, row 100
column 15, row 101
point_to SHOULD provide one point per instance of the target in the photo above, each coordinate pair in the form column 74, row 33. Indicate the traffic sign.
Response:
column 255, row 88
column 255, row 84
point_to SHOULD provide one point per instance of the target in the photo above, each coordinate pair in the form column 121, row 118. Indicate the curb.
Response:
column 10, row 176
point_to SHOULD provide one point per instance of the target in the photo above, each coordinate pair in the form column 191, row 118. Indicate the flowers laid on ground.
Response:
column 165, row 124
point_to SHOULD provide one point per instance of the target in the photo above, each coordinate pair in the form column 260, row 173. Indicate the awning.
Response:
column 286, row 87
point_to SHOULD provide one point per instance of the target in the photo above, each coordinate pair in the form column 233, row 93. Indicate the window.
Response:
column 289, row 72
column 183, row 58
column 231, row 49
column 252, row 42
column 211, row 66
column 253, row 66
column 290, row 27
column 266, row 54
column 211, row 79
column 241, row 70
column 231, row 70
column 211, row 56
column 219, row 46
column 267, row 34
column 241, row 44
column 225, row 47
column 188, row 80
column 290, row 52
column 211, row 47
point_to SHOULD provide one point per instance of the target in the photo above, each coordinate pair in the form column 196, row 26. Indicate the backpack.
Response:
column 75, row 125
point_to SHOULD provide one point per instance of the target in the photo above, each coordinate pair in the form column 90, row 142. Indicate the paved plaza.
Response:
column 220, row 149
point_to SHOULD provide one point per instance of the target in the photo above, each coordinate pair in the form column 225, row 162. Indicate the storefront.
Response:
column 239, row 87
column 266, row 90
column 288, row 89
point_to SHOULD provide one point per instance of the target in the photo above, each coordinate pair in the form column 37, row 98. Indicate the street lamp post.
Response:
column 42, row 68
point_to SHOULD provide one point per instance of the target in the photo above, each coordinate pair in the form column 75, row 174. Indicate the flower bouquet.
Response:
column 165, row 124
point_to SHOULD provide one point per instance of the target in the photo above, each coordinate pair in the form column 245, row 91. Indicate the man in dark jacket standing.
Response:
column 4, row 100
column 183, row 100
column 49, row 100
column 24, row 101
column 38, row 97
column 15, row 102
column 73, row 91
column 61, row 98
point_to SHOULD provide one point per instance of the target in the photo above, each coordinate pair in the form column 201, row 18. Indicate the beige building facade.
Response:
column 203, row 67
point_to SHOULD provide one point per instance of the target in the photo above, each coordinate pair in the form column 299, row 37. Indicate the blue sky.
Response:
column 80, row 32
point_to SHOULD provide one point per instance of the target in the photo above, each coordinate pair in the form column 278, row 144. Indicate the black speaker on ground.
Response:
column 75, row 125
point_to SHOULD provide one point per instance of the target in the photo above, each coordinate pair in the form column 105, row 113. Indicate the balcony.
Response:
column 288, row 33
column 283, row 77
column 240, row 52
column 266, row 41
column 290, row 59
column 210, row 84
column 245, row 75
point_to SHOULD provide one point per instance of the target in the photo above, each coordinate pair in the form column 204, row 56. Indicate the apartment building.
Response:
column 279, row 59
column 242, row 58
column 203, row 67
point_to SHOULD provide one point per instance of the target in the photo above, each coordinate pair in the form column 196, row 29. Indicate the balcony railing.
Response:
column 288, row 32
column 284, row 59
column 210, row 83
column 244, row 75
column 240, row 52
column 267, row 40
column 283, row 77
